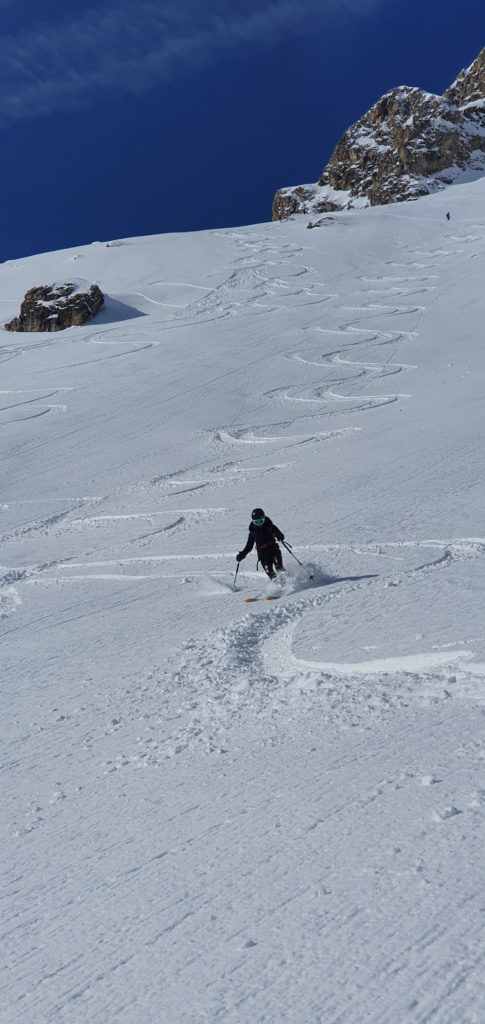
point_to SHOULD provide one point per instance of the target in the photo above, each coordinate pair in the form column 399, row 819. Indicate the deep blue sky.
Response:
column 127, row 118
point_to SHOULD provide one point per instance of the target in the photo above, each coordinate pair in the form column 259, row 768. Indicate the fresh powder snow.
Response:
column 242, row 813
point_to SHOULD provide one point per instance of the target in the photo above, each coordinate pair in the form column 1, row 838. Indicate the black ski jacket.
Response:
column 264, row 537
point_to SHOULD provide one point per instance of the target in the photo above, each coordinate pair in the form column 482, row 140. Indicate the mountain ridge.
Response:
column 409, row 144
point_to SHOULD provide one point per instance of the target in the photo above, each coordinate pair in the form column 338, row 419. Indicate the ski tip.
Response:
column 273, row 597
column 250, row 600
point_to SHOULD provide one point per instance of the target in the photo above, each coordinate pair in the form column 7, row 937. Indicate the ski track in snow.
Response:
column 266, row 276
column 263, row 273
column 29, row 408
column 271, row 684
column 367, row 372
column 362, row 341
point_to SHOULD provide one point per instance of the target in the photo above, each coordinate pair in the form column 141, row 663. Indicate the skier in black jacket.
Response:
column 265, row 535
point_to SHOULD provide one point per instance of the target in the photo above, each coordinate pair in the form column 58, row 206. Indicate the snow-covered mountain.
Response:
column 236, row 813
column 409, row 144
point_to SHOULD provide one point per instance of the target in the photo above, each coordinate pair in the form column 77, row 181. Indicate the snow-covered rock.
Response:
column 409, row 144
column 53, row 307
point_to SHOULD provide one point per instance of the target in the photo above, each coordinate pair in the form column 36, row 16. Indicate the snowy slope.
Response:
column 244, row 813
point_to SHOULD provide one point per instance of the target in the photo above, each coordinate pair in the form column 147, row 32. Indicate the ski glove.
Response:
column 239, row 556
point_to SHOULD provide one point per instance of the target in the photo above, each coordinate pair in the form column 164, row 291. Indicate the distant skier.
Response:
column 448, row 216
column 265, row 535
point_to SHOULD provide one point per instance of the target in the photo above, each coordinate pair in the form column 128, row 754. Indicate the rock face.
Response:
column 52, row 307
column 410, row 143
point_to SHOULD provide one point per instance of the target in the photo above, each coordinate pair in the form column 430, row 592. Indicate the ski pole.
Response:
column 235, row 576
column 288, row 548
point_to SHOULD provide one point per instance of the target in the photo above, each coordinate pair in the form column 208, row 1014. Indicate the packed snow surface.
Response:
column 243, row 813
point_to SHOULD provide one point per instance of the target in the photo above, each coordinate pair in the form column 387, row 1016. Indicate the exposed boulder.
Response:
column 53, row 307
column 409, row 144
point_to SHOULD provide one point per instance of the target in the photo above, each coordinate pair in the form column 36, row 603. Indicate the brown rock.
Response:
column 410, row 143
column 296, row 201
column 468, row 87
column 54, row 307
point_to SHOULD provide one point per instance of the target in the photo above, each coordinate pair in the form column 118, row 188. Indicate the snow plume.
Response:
column 304, row 577
column 125, row 49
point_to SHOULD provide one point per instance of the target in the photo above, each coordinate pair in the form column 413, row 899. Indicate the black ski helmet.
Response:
column 257, row 513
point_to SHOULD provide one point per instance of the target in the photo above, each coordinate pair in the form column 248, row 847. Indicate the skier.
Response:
column 448, row 216
column 265, row 535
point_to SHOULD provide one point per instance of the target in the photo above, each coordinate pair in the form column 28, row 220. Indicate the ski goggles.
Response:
column 259, row 522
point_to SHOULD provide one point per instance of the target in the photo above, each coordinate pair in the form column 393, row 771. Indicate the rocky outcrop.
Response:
column 53, row 307
column 469, row 86
column 410, row 143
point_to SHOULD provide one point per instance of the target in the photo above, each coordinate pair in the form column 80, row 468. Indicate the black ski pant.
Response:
column 271, row 560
